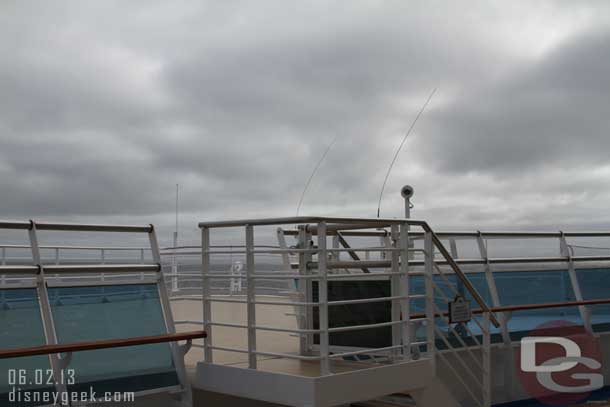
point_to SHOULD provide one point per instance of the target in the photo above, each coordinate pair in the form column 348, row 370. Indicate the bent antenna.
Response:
column 313, row 173
column 385, row 180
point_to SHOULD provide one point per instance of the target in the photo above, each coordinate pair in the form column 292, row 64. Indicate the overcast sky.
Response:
column 105, row 106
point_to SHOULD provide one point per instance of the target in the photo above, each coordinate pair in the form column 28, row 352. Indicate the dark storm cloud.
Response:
column 106, row 106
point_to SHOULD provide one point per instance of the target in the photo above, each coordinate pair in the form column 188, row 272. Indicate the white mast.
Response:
column 174, row 259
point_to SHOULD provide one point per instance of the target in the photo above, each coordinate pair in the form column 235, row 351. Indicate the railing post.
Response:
column 585, row 315
column 3, row 277
column 251, row 297
column 429, row 275
column 304, row 288
column 46, row 312
column 323, row 300
column 395, row 292
column 170, row 325
column 57, row 255
column 405, row 302
column 493, row 290
column 486, row 354
column 336, row 255
column 142, row 262
column 281, row 239
column 384, row 241
column 205, row 294
column 174, row 272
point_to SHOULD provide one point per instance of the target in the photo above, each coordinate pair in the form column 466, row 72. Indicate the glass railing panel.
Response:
column 594, row 285
column 450, row 286
column 535, row 287
column 113, row 312
column 20, row 327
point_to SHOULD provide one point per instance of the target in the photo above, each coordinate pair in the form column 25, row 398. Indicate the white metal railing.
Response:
column 181, row 265
column 307, row 262
column 318, row 263
column 40, row 276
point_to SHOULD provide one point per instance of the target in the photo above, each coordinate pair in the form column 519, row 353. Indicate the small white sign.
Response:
column 459, row 310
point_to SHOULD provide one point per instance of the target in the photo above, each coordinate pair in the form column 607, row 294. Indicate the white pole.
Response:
column 407, row 192
column 174, row 258
column 323, row 300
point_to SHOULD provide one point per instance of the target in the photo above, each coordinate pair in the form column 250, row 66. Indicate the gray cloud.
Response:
column 551, row 113
column 102, row 111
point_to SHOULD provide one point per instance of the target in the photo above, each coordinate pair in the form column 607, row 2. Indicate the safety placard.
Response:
column 459, row 310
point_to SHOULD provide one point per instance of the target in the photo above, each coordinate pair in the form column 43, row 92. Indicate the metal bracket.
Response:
column 64, row 361
column 183, row 349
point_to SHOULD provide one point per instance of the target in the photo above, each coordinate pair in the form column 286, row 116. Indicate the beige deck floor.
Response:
column 266, row 315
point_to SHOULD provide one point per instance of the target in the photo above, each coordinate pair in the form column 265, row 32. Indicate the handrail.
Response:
column 339, row 223
column 473, row 234
column 5, row 224
column 64, row 247
column 19, row 269
column 526, row 307
column 529, row 307
column 364, row 222
column 103, row 268
column 105, row 344
column 510, row 234
column 81, row 227
column 460, row 274
column 127, row 248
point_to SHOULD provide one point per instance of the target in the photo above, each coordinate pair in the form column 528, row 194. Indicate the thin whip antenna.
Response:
column 385, row 180
column 313, row 173
column 176, row 226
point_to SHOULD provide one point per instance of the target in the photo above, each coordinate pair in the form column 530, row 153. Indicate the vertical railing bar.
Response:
column 103, row 261
column 440, row 314
column 486, row 360
column 336, row 255
column 3, row 276
column 458, row 357
column 281, row 238
column 453, row 247
column 585, row 314
column 304, row 290
column 429, row 273
column 323, row 300
column 46, row 312
column 493, row 289
column 443, row 275
column 142, row 262
column 205, row 293
column 309, row 286
column 459, row 338
column 503, row 318
column 394, row 292
column 251, row 297
column 170, row 326
column 405, row 305
column 460, row 379
column 174, row 272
